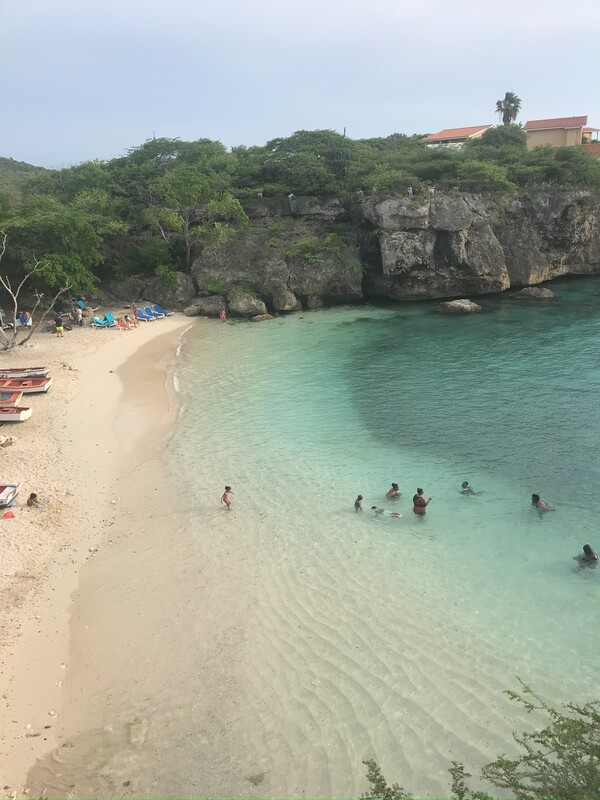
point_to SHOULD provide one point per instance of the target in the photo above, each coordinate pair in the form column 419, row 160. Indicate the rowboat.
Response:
column 8, row 494
column 26, row 372
column 14, row 413
column 10, row 398
column 25, row 385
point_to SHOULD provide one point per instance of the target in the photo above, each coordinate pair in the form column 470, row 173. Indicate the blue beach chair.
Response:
column 112, row 322
column 162, row 311
column 144, row 317
column 152, row 313
column 100, row 323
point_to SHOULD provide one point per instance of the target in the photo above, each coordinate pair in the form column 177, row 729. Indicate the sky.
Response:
column 88, row 79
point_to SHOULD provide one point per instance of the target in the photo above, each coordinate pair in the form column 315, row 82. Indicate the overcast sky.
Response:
column 84, row 79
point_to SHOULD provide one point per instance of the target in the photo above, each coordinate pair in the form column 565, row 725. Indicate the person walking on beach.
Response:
column 419, row 502
column 225, row 497
column 393, row 493
column 358, row 503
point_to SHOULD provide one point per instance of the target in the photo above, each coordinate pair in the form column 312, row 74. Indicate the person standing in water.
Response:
column 589, row 557
column 540, row 504
column 225, row 498
column 223, row 315
column 358, row 503
column 419, row 502
column 466, row 489
column 393, row 493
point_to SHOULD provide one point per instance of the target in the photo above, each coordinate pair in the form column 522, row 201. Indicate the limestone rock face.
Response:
column 535, row 293
column 206, row 306
column 397, row 213
column 283, row 299
column 177, row 296
column 449, row 213
column 242, row 304
column 463, row 306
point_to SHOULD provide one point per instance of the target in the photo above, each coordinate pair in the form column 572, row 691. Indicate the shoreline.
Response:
column 93, row 433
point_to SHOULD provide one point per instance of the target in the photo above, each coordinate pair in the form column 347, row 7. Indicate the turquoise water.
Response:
column 362, row 637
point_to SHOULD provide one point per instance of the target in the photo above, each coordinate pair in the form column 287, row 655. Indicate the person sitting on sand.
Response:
column 466, row 489
column 381, row 511
column 589, row 557
column 393, row 493
column 225, row 497
column 358, row 503
column 33, row 502
column 540, row 504
column 419, row 502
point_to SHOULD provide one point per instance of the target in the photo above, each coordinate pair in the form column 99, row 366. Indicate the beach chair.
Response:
column 144, row 317
column 162, row 311
column 99, row 323
column 83, row 306
column 112, row 322
column 151, row 313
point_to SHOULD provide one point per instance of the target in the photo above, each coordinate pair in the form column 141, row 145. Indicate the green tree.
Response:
column 560, row 761
column 508, row 108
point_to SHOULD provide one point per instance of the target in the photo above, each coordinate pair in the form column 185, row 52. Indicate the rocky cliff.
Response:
column 305, row 253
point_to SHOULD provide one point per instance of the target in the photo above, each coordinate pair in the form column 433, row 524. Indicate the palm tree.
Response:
column 509, row 107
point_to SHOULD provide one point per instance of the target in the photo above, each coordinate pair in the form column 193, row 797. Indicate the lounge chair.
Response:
column 163, row 311
column 100, row 323
column 152, row 313
column 144, row 317
column 110, row 319
column 84, row 307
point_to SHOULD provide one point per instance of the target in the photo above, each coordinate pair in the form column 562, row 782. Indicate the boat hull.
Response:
column 8, row 494
column 10, row 398
column 25, row 385
column 24, row 372
column 14, row 414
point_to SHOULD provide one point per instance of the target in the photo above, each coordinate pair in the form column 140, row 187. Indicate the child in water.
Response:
column 466, row 489
column 225, row 497
column 393, row 493
column 540, row 504
column 358, row 503
column 381, row 511
column 589, row 557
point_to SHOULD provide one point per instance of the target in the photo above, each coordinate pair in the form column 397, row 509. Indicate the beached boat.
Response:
column 19, row 374
column 25, row 372
column 10, row 398
column 14, row 413
column 8, row 494
column 25, row 385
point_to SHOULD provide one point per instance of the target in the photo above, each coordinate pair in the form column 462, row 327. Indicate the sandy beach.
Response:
column 72, row 452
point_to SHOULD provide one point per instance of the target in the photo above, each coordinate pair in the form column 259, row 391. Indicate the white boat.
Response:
column 14, row 413
column 10, row 398
column 8, row 494
column 24, row 372
column 25, row 385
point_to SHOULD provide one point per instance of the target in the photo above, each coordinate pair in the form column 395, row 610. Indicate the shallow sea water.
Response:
column 393, row 638
column 297, row 637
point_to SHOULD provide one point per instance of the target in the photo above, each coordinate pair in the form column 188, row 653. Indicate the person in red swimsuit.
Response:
column 419, row 502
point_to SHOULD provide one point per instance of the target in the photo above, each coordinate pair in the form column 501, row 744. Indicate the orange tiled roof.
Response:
column 590, row 130
column 456, row 133
column 559, row 122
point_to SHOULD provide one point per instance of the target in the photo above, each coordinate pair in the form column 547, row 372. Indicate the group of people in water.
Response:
column 589, row 558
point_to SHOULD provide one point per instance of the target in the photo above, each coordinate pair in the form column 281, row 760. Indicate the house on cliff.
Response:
column 559, row 132
column 454, row 138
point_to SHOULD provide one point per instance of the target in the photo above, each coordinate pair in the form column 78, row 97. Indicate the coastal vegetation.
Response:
column 149, row 212
column 560, row 761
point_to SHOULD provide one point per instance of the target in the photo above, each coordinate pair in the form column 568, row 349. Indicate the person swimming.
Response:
column 589, row 557
column 393, row 493
column 466, row 489
column 358, row 503
column 540, row 504
column 419, row 502
column 381, row 511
